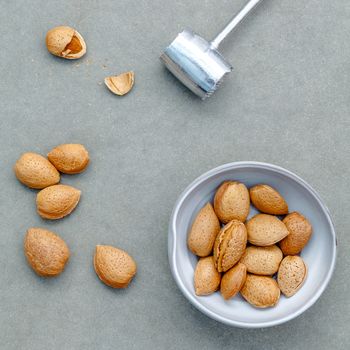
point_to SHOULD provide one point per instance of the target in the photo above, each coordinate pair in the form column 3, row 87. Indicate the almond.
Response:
column 300, row 231
column 260, row 291
column 267, row 200
column 57, row 201
column 206, row 277
column 204, row 230
column 232, row 202
column 65, row 42
column 291, row 274
column 46, row 252
column 114, row 266
column 264, row 230
column 120, row 84
column 233, row 280
column 69, row 158
column 230, row 245
column 262, row 260
column 35, row 171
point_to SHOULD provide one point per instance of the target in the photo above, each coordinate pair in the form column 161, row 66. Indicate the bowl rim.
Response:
column 172, row 243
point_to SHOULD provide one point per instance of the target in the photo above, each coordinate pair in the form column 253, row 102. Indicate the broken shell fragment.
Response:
column 120, row 84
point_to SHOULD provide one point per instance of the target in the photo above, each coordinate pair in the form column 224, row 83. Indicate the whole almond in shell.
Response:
column 206, row 277
column 204, row 230
column 114, row 266
column 232, row 281
column 229, row 245
column 262, row 260
column 267, row 200
column 291, row 274
column 231, row 202
column 65, row 42
column 35, row 171
column 264, row 230
column 69, row 158
column 46, row 252
column 300, row 231
column 260, row 291
column 56, row 202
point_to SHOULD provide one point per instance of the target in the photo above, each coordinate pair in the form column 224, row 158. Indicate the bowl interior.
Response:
column 319, row 254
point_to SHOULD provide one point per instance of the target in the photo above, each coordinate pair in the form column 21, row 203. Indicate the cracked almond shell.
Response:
column 260, row 291
column 262, row 260
column 206, row 277
column 120, row 84
column 231, row 202
column 264, row 230
column 230, row 245
column 56, row 202
column 300, row 231
column 69, row 158
column 232, row 281
column 46, row 252
column 267, row 200
column 65, row 42
column 35, row 171
column 114, row 266
column 204, row 230
column 291, row 274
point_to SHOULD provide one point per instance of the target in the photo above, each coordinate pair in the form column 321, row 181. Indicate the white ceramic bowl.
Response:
column 319, row 254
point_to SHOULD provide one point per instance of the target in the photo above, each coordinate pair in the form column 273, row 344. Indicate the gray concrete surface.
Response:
column 286, row 103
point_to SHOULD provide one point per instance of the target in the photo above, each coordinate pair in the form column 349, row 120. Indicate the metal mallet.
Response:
column 196, row 62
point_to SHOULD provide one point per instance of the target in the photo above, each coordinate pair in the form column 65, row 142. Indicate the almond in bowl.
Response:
column 264, row 230
column 230, row 245
column 260, row 291
column 232, row 202
column 206, row 277
column 204, row 231
column 300, row 230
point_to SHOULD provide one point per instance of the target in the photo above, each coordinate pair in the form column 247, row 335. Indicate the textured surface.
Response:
column 287, row 102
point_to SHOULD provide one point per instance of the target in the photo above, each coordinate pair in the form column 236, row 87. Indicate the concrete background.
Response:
column 287, row 103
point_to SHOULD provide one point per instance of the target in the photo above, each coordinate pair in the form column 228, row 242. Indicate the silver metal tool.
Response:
column 196, row 62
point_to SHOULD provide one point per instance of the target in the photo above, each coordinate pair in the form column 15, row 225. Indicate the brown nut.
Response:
column 300, row 231
column 35, row 171
column 206, row 277
column 69, row 158
column 114, row 266
column 232, row 202
column 65, row 42
column 230, row 245
column 264, row 230
column 46, row 252
column 232, row 281
column 120, row 84
column 267, row 200
column 56, row 202
column 260, row 291
column 291, row 274
column 262, row 260
column 204, row 230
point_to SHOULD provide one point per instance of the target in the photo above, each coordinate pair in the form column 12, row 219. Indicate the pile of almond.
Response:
column 35, row 171
column 46, row 252
column 259, row 257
